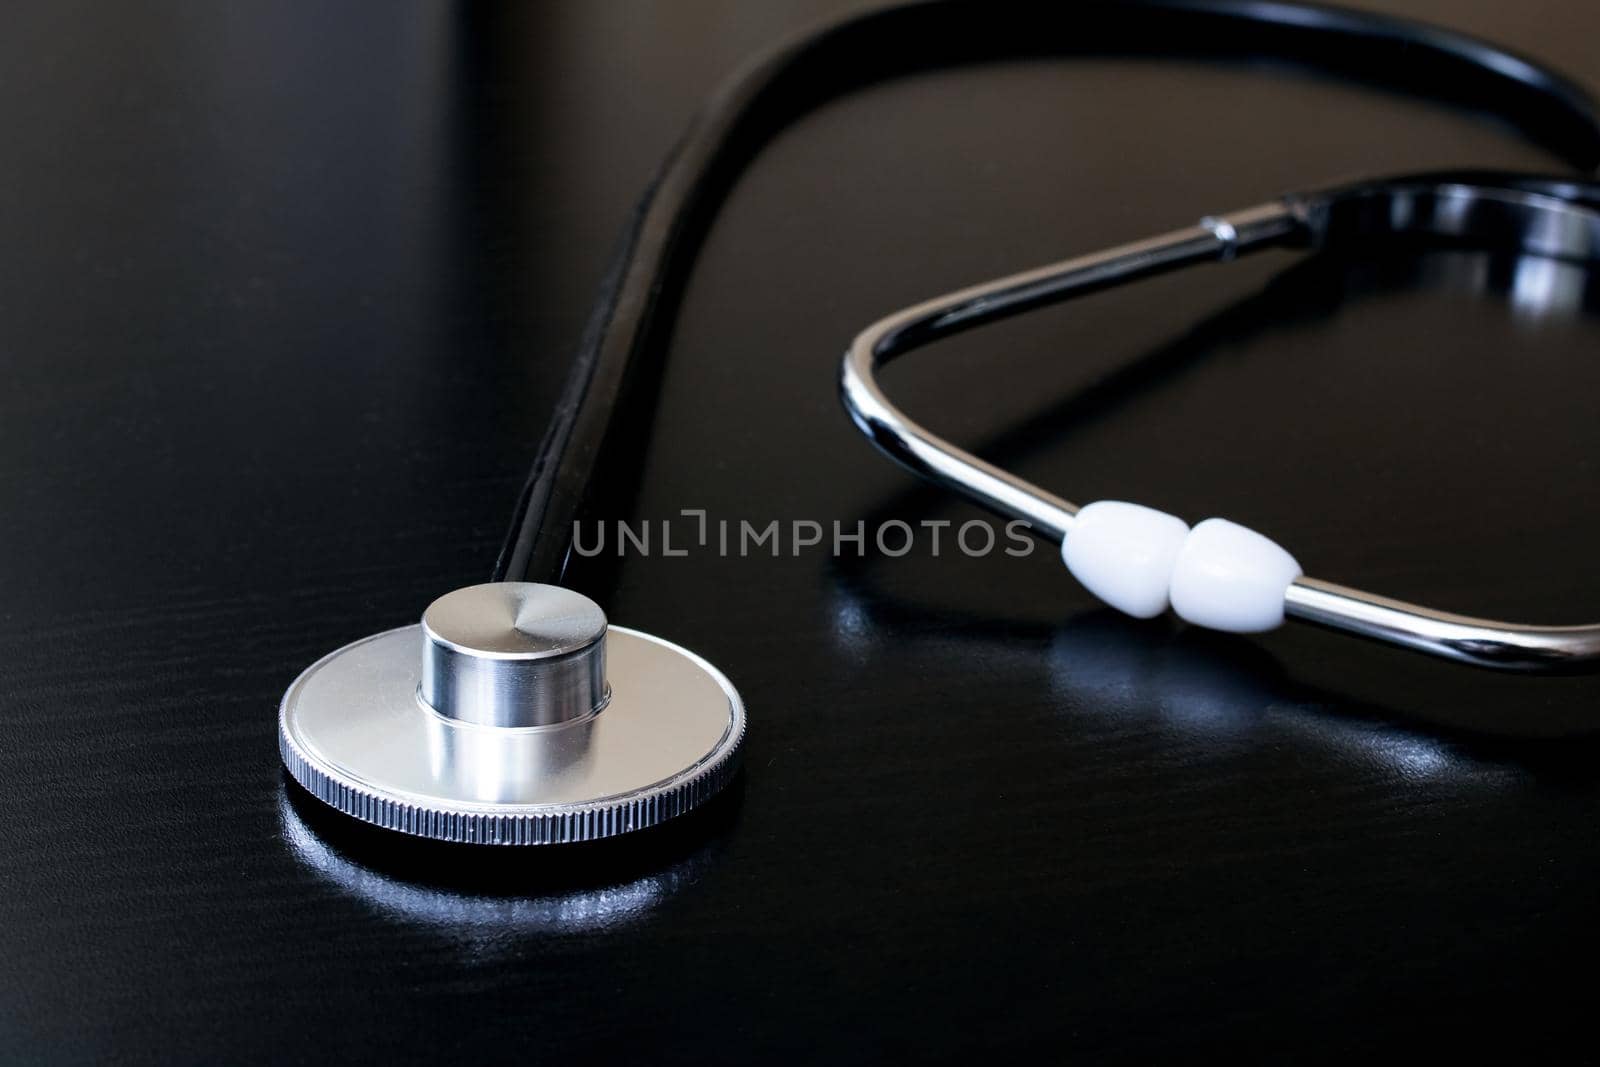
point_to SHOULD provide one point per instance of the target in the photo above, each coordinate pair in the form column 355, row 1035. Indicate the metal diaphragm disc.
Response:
column 353, row 731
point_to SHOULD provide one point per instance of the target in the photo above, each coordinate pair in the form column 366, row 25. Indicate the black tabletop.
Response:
column 286, row 294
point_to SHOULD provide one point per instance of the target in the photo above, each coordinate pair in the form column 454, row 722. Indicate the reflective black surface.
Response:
column 285, row 295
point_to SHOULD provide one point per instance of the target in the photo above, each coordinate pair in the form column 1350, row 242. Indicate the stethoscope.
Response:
column 515, row 713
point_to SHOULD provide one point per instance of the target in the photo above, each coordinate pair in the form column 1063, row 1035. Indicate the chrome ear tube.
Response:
column 1219, row 574
column 512, row 714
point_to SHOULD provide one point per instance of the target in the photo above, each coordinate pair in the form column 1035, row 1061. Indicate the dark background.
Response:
column 286, row 292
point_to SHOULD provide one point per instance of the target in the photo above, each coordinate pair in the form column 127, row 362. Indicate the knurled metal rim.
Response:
column 566, row 824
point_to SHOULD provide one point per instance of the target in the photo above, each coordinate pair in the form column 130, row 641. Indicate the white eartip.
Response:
column 1228, row 577
column 1124, row 554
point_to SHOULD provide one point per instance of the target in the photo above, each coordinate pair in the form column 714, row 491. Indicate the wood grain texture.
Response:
column 285, row 293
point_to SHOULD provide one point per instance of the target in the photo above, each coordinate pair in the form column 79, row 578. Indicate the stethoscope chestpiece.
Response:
column 513, row 714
